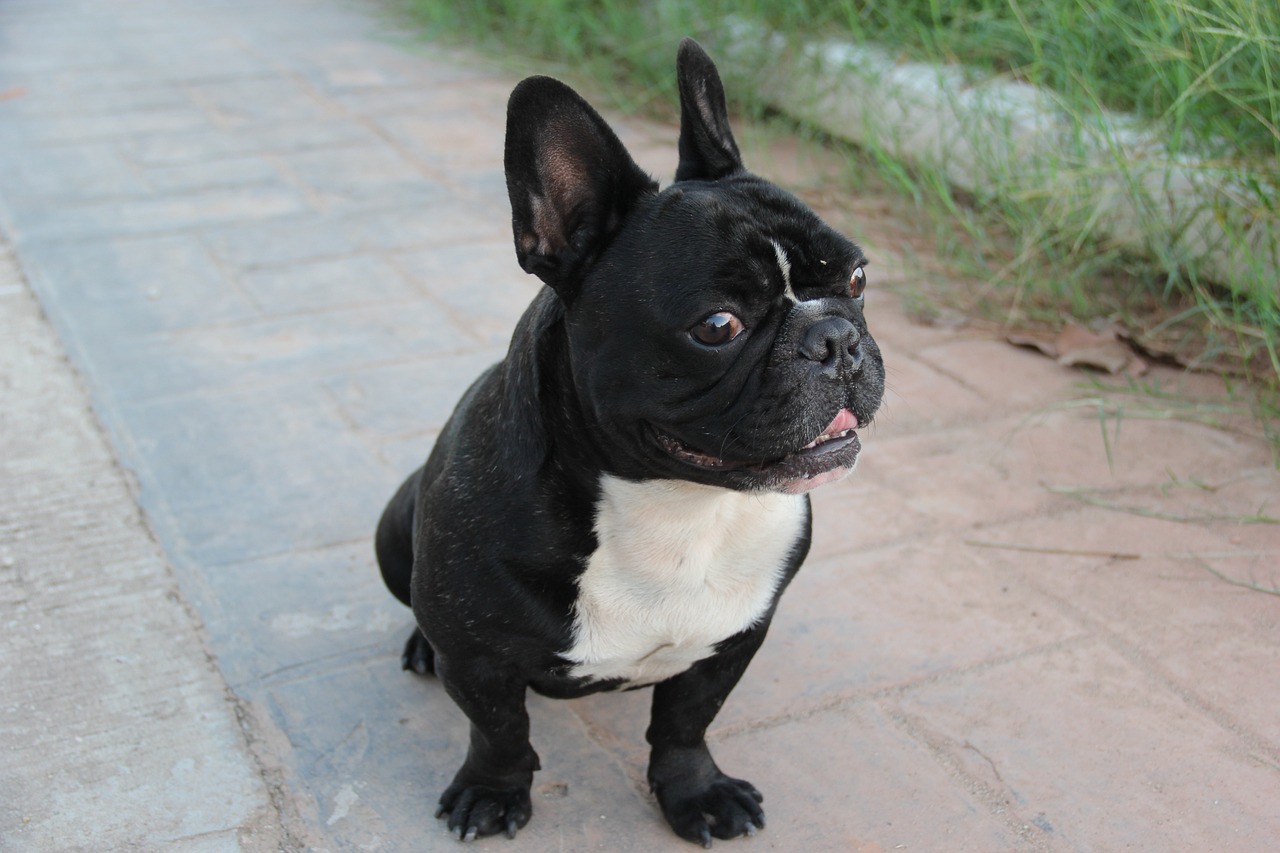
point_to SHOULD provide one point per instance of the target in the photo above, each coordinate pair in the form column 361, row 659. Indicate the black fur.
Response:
column 488, row 539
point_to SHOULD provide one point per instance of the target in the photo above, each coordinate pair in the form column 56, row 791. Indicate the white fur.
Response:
column 784, row 264
column 679, row 567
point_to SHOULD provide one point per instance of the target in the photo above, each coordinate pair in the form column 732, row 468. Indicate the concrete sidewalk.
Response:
column 274, row 243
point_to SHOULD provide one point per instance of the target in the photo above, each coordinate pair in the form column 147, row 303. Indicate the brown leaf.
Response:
column 1043, row 341
column 1077, row 346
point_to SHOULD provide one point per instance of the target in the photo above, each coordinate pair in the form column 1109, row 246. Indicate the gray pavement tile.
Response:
column 481, row 283
column 440, row 86
column 448, row 140
column 52, row 178
column 230, row 172
column 38, row 132
column 407, row 451
column 251, row 472
column 125, row 288
column 326, row 284
column 235, row 103
column 66, row 100
column 218, row 143
column 281, row 241
column 374, row 176
column 455, row 222
column 267, row 352
column 280, row 618
column 409, row 397
column 165, row 214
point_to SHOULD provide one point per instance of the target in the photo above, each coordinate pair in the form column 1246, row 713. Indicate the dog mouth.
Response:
column 831, row 454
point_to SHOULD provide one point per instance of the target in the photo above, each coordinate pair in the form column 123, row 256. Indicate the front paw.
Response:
column 478, row 810
column 723, row 807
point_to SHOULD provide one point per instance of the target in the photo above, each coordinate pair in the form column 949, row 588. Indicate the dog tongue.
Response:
column 844, row 420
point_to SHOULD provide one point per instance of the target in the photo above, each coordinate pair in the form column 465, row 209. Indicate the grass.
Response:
column 1203, row 75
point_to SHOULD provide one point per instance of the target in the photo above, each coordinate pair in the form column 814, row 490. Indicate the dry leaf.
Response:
column 1077, row 346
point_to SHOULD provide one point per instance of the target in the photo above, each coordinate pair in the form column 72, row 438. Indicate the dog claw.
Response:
column 751, row 829
column 471, row 834
column 706, row 838
column 512, row 826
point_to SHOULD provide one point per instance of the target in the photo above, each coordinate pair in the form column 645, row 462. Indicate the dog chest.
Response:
column 678, row 568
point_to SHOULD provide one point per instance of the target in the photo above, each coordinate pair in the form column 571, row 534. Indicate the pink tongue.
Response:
column 844, row 420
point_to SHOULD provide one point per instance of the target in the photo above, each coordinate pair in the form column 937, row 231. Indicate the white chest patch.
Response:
column 679, row 567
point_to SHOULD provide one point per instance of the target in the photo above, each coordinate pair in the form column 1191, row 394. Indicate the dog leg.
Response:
column 490, row 792
column 697, row 799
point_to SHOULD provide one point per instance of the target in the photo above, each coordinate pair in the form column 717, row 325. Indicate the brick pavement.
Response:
column 273, row 239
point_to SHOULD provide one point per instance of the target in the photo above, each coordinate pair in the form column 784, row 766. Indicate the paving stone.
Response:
column 918, row 398
column 446, row 141
column 1009, row 378
column 409, row 397
column 68, row 99
column 277, row 617
column 909, row 487
column 327, row 284
column 281, row 241
column 167, row 214
column 252, row 472
column 215, row 144
column 53, row 130
column 1038, row 731
column 455, row 222
column 368, row 176
column 69, row 174
column 482, row 285
column 137, row 286
column 231, row 172
column 405, row 453
column 1208, row 637
column 889, row 791
column 273, row 350
column 234, row 103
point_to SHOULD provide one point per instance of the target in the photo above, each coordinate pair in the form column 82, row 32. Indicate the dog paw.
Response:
column 726, row 808
column 418, row 656
column 478, row 810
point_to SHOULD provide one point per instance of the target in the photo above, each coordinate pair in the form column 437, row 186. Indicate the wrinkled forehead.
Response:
column 750, row 216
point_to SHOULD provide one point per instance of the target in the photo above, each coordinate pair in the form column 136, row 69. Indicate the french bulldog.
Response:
column 620, row 502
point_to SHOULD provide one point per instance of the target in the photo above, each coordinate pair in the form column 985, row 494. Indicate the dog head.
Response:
column 715, row 328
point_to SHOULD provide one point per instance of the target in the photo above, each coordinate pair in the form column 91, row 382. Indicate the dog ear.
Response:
column 570, row 181
column 707, row 149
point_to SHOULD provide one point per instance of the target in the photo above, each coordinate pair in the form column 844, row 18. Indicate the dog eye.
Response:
column 718, row 329
column 858, row 283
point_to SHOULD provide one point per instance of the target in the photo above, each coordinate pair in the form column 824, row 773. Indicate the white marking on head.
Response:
column 784, row 264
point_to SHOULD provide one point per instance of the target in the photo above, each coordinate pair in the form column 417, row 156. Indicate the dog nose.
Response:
column 833, row 343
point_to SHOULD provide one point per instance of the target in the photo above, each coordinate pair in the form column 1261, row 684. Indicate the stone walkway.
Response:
column 273, row 241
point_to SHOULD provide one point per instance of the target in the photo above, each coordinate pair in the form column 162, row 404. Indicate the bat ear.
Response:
column 707, row 149
column 570, row 180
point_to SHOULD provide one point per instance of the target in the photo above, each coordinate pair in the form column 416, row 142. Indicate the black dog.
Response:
column 619, row 502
